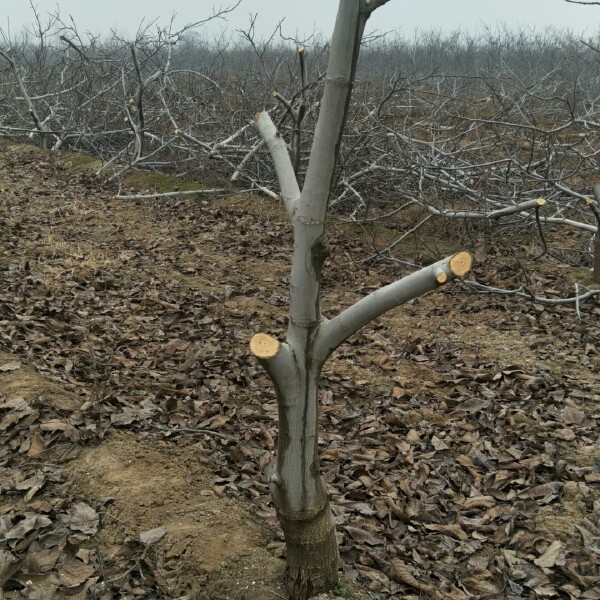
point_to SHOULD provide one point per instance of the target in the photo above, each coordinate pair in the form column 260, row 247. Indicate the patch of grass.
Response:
column 66, row 159
column 159, row 182
column 253, row 204
column 383, row 235
column 427, row 241
column 341, row 590
column 30, row 385
column 79, row 161
column 59, row 258
column 583, row 276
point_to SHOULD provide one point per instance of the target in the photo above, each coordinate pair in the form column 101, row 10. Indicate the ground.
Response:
column 459, row 433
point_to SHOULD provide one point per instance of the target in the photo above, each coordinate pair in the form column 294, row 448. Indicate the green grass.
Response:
column 79, row 160
column 341, row 590
column 159, row 182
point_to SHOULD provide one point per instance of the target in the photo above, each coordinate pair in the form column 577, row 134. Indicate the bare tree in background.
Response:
column 595, row 208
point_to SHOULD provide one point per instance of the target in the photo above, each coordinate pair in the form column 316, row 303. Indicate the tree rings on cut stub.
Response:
column 460, row 263
column 440, row 276
column 264, row 346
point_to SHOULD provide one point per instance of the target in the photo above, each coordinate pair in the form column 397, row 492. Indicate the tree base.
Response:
column 312, row 555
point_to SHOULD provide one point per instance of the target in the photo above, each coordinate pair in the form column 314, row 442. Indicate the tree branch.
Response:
column 492, row 214
column 332, row 333
column 525, row 293
column 169, row 194
column 371, row 5
column 290, row 191
column 277, row 359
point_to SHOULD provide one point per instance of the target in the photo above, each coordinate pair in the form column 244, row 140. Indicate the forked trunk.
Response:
column 294, row 366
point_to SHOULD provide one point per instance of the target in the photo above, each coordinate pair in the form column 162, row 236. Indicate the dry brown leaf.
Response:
column 10, row 366
column 439, row 444
column 54, row 425
column 82, row 517
column 479, row 502
column 401, row 573
column 366, row 537
column 36, row 445
column 453, row 530
column 554, row 555
column 152, row 536
column 572, row 416
column 74, row 573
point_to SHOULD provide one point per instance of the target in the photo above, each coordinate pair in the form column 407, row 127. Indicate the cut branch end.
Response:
column 540, row 202
column 460, row 263
column 440, row 276
column 264, row 346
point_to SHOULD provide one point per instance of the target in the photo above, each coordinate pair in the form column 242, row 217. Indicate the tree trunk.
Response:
column 596, row 271
column 312, row 554
column 299, row 491
column 294, row 366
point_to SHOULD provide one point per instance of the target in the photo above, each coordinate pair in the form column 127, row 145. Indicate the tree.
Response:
column 294, row 365
column 595, row 207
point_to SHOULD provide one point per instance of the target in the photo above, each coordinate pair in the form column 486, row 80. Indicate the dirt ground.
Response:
column 460, row 437
column 208, row 537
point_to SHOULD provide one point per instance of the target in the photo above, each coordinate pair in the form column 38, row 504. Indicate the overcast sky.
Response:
column 303, row 16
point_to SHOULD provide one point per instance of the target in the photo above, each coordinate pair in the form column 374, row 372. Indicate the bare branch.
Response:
column 333, row 332
column 290, row 191
column 201, row 192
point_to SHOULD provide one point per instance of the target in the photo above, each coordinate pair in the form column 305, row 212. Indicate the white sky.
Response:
column 304, row 16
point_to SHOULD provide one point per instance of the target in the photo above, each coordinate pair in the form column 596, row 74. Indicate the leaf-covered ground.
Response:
column 459, row 433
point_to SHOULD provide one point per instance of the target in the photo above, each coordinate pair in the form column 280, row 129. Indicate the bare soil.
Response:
column 212, row 543
column 129, row 323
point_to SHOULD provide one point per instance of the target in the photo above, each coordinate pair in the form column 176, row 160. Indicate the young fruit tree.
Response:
column 294, row 365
